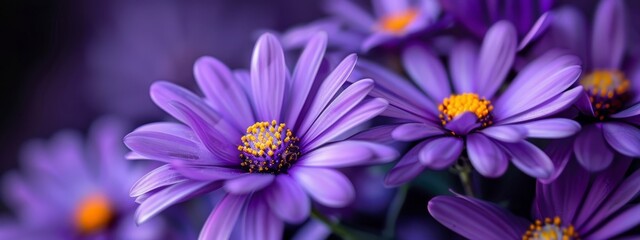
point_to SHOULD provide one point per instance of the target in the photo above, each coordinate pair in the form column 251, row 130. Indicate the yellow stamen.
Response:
column 550, row 229
column 457, row 104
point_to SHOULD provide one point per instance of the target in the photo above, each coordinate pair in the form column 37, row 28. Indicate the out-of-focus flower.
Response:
column 70, row 189
column 530, row 17
column 352, row 28
column 491, row 129
column 575, row 206
column 610, row 103
column 265, row 137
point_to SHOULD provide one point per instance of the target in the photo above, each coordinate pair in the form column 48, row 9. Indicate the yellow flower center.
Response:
column 607, row 90
column 550, row 230
column 268, row 148
column 457, row 104
column 396, row 23
column 93, row 213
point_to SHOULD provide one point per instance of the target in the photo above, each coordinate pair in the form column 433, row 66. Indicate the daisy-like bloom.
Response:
column 70, row 189
column 575, row 206
column 610, row 103
column 470, row 117
column 530, row 17
column 392, row 21
column 267, row 138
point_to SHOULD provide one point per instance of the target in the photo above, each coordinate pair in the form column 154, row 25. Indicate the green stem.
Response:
column 335, row 227
column 394, row 212
column 464, row 172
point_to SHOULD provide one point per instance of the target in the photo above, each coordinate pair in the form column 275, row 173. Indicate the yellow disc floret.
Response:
column 457, row 104
column 550, row 229
column 397, row 23
column 607, row 90
column 268, row 147
column 93, row 213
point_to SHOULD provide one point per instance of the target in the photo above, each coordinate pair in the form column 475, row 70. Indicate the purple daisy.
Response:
column 530, row 17
column 75, row 190
column 393, row 20
column 575, row 206
column 470, row 116
column 268, row 138
column 610, row 103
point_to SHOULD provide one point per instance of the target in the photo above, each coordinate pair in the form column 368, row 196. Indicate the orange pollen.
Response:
column 396, row 23
column 268, row 147
column 608, row 91
column 550, row 229
column 93, row 213
column 457, row 104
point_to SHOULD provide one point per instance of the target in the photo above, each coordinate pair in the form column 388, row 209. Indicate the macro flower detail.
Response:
column 473, row 117
column 268, row 148
column 268, row 138
column 550, row 229
column 609, row 105
column 577, row 205
column 72, row 188
column 608, row 91
column 456, row 105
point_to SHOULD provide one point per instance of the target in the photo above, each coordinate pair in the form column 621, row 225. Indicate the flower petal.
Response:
column 327, row 186
column 340, row 106
column 407, row 168
column 220, row 87
column 397, row 90
column 288, row 200
column 530, row 159
column 441, row 152
column 365, row 111
column 169, row 196
column 463, row 123
column 304, row 75
column 157, row 178
column 506, row 133
column 347, row 154
column 548, row 108
column 560, row 152
column 462, row 64
column 223, row 218
column 260, row 222
column 609, row 35
column 268, row 77
column 167, row 95
column 624, row 221
column 486, row 157
column 427, row 71
column 623, row 137
column 327, row 90
column 414, row 131
column 551, row 128
column 591, row 149
column 496, row 57
column 538, row 28
column 475, row 219
column 248, row 183
column 543, row 79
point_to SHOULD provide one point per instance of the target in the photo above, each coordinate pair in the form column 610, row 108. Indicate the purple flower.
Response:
column 265, row 137
column 75, row 190
column 530, row 17
column 392, row 21
column 610, row 103
column 470, row 116
column 575, row 206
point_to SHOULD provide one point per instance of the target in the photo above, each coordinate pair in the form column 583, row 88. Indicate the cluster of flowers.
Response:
column 269, row 141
